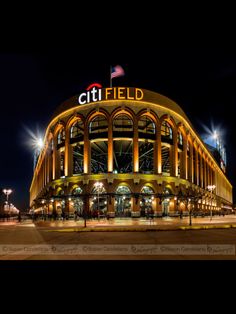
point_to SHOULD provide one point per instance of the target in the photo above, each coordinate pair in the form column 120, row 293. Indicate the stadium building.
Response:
column 122, row 152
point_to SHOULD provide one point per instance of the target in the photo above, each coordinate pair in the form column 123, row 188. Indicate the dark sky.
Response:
column 33, row 83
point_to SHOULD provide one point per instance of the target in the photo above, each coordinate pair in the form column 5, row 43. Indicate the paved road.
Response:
column 32, row 237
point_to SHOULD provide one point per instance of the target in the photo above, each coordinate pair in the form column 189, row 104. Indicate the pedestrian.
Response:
column 19, row 217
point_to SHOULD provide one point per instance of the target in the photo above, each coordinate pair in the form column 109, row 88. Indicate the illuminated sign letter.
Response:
column 82, row 102
column 108, row 92
column 138, row 94
column 121, row 93
column 128, row 94
column 93, row 92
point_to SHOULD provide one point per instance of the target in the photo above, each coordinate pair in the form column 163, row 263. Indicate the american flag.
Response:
column 117, row 71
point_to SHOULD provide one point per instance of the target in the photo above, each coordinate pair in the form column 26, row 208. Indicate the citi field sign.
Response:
column 95, row 92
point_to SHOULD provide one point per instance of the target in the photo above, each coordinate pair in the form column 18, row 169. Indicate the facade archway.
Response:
column 180, row 160
column 77, row 145
column 98, row 201
column 167, row 194
column 123, row 143
column 146, row 144
column 123, row 201
column 98, row 136
column 147, row 201
column 78, row 203
column 60, row 147
column 166, row 145
column 60, row 202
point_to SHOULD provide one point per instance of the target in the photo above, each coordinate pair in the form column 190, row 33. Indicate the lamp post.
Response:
column 7, row 192
column 211, row 188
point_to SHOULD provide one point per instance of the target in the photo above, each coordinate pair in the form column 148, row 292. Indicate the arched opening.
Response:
column 147, row 200
column 60, row 202
column 166, row 202
column 77, row 142
column 123, row 201
column 50, row 161
column 61, row 137
column 188, row 161
column 166, row 142
column 147, row 136
column 61, row 150
column 180, row 153
column 98, row 201
column 122, row 144
column 98, row 136
column 77, row 201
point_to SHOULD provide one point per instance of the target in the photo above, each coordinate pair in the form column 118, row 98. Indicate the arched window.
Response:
column 77, row 131
column 147, row 200
column 166, row 130
column 180, row 154
column 146, row 128
column 98, row 201
column 60, row 192
column 62, row 163
column 165, row 160
column 77, row 201
column 60, row 153
column 61, row 137
column 77, row 141
column 123, row 201
column 98, row 127
column 122, row 126
column 180, row 138
column 146, row 156
column 123, row 148
column 77, row 191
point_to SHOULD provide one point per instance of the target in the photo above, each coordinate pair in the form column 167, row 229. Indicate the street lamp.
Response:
column 211, row 188
column 7, row 192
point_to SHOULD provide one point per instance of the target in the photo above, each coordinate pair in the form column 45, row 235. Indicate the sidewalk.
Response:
column 139, row 224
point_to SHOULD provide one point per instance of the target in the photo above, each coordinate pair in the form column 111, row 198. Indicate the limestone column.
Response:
column 158, row 211
column 158, row 149
column 135, row 148
column 87, row 152
column 201, row 172
column 135, row 206
column 68, row 155
column 110, row 146
column 56, row 160
column 111, row 206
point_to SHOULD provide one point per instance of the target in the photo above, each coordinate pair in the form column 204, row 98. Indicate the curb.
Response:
column 120, row 229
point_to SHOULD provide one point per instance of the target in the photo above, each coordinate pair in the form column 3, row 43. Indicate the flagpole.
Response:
column 110, row 76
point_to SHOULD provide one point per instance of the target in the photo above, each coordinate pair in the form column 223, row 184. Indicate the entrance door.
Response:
column 165, row 208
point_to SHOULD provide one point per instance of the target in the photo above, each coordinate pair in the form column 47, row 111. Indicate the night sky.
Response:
column 34, row 83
